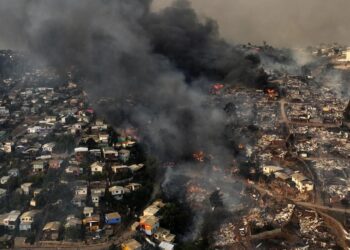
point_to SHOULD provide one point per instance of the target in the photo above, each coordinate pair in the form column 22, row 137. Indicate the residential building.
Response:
column 112, row 218
column 131, row 245
column 96, row 167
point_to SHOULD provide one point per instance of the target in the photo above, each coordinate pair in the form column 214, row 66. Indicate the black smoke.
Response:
column 144, row 62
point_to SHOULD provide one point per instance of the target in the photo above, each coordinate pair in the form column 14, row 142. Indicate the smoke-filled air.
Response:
column 174, row 124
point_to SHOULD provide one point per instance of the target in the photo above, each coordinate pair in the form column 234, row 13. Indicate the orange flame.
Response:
column 199, row 156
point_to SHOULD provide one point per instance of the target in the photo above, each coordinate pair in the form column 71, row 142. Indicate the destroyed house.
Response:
column 267, row 170
column 92, row 223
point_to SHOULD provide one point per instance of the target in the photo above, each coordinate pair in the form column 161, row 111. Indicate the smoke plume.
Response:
column 148, row 64
column 280, row 22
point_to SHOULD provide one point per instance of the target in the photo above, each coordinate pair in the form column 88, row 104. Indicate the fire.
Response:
column 241, row 146
column 272, row 93
column 129, row 132
column 215, row 89
column 195, row 189
column 199, row 156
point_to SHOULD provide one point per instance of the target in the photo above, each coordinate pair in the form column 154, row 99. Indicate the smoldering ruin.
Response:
column 154, row 65
column 216, row 115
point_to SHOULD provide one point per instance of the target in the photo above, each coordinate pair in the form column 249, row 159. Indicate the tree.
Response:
column 177, row 217
column 73, row 233
column 91, row 144
column 64, row 143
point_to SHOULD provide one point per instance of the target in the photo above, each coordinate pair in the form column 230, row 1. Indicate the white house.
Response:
column 4, row 179
column 34, row 129
column 48, row 147
column 27, row 218
column 26, row 187
column 103, row 138
column 96, row 167
column 11, row 218
column 88, row 211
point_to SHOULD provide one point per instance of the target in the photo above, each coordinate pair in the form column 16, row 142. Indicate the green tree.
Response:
column 176, row 217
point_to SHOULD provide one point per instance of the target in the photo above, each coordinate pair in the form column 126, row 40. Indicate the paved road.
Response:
column 318, row 206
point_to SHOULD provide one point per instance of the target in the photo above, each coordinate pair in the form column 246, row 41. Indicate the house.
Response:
column 133, row 186
column 80, row 195
column 109, row 154
column 81, row 153
column 117, row 192
column 149, row 224
column 8, row 147
column 124, row 155
column 112, row 218
column 120, row 168
column 95, row 199
column 131, row 245
column 27, row 218
column 4, row 179
column 92, row 223
column 72, row 221
column 13, row 172
column 100, row 191
column 267, row 170
column 38, row 166
column 26, row 187
column 51, row 230
column 75, row 128
column 32, row 202
column 55, row 164
column 79, row 200
column 95, row 152
column 34, row 129
column 96, row 167
column 99, row 126
column 135, row 226
column 154, row 208
column 48, row 147
column 96, row 194
column 166, row 246
column 136, row 167
column 37, row 191
column 302, row 183
column 163, row 234
column 11, row 219
column 88, row 211
column 81, row 190
column 103, row 138
column 74, row 170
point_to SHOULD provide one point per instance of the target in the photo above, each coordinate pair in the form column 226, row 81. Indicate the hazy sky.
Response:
column 279, row 22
